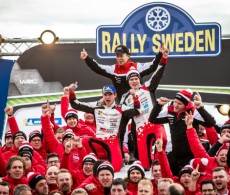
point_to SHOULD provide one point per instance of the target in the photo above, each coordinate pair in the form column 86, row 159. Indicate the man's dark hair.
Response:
column 119, row 181
column 14, row 158
column 51, row 155
column 176, row 189
column 207, row 181
column 155, row 162
column 95, row 166
column 4, row 183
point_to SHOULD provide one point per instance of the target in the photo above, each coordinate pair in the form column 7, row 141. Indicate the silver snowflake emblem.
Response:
column 157, row 18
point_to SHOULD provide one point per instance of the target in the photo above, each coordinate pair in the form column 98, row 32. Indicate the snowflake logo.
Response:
column 157, row 18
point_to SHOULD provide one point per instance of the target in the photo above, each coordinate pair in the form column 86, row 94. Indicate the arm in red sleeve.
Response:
column 2, row 164
column 49, row 136
column 39, row 158
column 165, row 168
column 64, row 106
column 65, row 161
column 212, row 135
column 52, row 120
column 82, row 153
column 195, row 144
column 13, row 125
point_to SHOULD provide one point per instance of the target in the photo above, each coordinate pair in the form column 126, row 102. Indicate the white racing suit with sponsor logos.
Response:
column 146, row 133
column 108, row 120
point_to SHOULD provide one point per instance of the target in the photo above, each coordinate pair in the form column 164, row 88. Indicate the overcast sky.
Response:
column 80, row 18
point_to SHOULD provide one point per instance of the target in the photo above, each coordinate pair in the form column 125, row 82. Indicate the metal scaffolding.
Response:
column 16, row 46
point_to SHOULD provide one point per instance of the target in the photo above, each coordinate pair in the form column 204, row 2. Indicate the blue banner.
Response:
column 37, row 121
column 5, row 70
column 144, row 29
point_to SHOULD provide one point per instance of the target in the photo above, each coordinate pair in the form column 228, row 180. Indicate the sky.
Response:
column 79, row 19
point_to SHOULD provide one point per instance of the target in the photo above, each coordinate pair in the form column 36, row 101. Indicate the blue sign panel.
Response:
column 5, row 70
column 37, row 121
column 144, row 29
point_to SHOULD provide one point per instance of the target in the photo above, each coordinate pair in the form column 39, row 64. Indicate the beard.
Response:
column 65, row 188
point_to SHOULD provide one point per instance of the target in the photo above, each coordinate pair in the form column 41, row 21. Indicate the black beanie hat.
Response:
column 25, row 154
column 8, row 134
column 136, row 166
column 133, row 72
column 71, row 113
column 186, row 169
column 33, row 134
column 91, row 157
column 225, row 126
column 105, row 166
column 19, row 133
column 34, row 179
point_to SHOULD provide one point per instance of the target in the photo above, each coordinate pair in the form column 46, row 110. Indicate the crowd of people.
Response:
column 121, row 129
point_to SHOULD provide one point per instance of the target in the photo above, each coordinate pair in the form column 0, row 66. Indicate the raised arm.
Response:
column 195, row 145
column 104, row 70
column 157, row 115
column 9, row 111
column 154, row 80
column 48, row 132
column 202, row 116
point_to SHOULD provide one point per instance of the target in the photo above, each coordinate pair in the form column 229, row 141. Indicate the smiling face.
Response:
column 221, row 157
column 134, row 83
column 185, row 179
column 88, row 168
column 72, row 122
column 156, row 172
column 220, row 179
column 16, row 170
column 178, row 106
column 135, row 176
column 18, row 141
column 51, row 175
column 122, row 58
column 105, row 178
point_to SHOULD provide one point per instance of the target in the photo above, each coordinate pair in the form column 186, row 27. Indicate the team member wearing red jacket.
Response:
column 35, row 137
column 101, row 181
column 72, row 121
column 15, row 172
column 8, row 141
column 135, row 174
column 18, row 138
column 53, row 144
column 185, row 174
column 89, row 118
column 198, row 150
column 31, row 164
column 79, row 174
